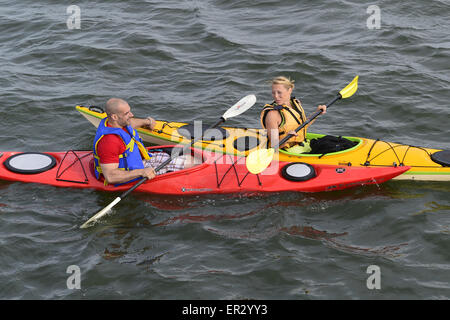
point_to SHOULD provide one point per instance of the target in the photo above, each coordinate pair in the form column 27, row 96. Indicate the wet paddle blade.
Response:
column 240, row 107
column 100, row 214
column 350, row 89
column 259, row 160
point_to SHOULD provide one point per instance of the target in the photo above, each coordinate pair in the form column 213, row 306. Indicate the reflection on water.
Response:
column 309, row 232
column 432, row 206
column 190, row 218
column 258, row 224
column 109, row 255
column 122, row 248
column 167, row 202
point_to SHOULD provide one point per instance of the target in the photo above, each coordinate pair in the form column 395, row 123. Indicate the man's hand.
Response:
column 151, row 123
column 148, row 122
column 148, row 173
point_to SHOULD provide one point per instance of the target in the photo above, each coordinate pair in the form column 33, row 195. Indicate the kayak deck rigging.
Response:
column 77, row 159
column 392, row 148
column 233, row 166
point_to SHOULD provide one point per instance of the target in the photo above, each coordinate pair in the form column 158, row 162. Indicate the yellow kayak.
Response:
column 426, row 164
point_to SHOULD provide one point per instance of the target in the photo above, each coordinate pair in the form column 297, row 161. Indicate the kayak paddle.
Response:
column 258, row 160
column 240, row 107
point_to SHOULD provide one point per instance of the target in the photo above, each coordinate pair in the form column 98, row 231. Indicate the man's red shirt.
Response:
column 110, row 147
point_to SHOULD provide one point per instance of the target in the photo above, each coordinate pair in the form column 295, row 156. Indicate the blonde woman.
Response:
column 284, row 115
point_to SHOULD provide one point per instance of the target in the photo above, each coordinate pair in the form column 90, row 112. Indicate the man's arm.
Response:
column 114, row 175
column 148, row 122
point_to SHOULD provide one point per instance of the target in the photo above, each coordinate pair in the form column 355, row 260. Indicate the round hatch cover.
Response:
column 298, row 171
column 30, row 162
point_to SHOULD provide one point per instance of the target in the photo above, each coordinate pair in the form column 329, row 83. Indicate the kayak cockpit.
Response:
column 319, row 145
column 77, row 167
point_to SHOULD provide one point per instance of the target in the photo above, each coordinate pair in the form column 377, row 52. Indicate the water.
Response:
column 191, row 60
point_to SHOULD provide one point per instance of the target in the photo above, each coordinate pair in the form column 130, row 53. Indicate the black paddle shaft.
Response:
column 162, row 165
column 315, row 115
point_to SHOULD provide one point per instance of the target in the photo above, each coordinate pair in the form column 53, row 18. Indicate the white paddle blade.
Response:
column 240, row 107
column 100, row 214
column 259, row 160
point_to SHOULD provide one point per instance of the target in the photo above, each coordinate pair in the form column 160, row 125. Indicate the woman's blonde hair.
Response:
column 287, row 82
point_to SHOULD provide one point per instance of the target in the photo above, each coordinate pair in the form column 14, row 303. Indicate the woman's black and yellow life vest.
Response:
column 291, row 118
column 135, row 151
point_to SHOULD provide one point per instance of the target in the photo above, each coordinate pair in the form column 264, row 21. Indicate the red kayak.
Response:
column 215, row 173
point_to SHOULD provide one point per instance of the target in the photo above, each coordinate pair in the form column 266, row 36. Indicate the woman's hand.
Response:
column 323, row 108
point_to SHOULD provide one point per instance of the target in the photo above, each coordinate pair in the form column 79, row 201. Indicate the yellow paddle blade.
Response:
column 257, row 161
column 350, row 89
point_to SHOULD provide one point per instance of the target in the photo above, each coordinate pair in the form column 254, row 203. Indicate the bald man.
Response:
column 119, row 154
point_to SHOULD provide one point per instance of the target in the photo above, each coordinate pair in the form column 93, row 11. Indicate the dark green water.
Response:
column 191, row 60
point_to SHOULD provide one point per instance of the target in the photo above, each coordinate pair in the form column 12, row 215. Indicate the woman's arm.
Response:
column 320, row 107
column 272, row 122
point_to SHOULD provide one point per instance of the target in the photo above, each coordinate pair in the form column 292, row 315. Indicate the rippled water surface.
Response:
column 191, row 60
